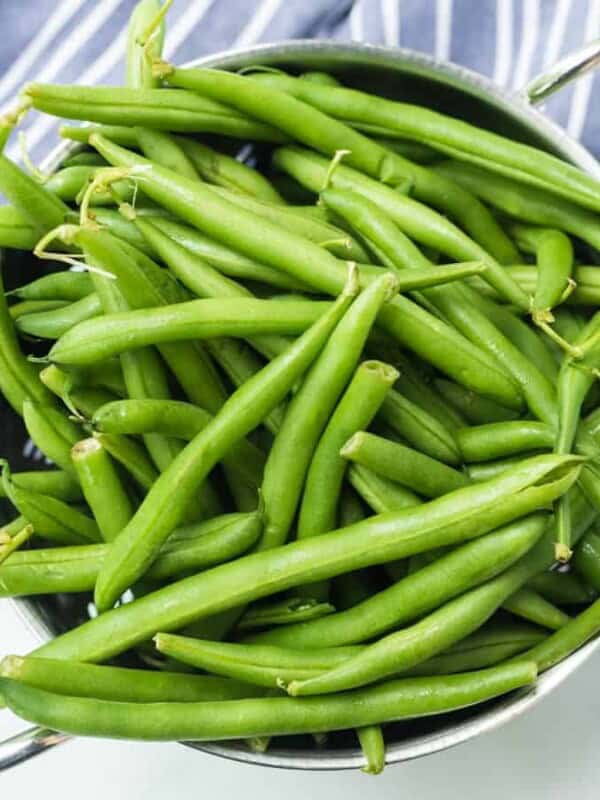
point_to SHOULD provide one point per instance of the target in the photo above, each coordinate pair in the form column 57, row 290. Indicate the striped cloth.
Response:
column 82, row 41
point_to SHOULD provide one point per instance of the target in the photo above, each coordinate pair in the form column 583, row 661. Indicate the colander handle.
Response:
column 572, row 66
column 27, row 744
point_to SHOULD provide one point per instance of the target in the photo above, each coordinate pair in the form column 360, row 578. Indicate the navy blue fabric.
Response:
column 509, row 40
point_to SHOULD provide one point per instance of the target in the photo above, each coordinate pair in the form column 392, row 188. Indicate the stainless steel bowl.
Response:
column 405, row 75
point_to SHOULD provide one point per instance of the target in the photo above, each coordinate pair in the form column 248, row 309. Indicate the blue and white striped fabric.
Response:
column 82, row 41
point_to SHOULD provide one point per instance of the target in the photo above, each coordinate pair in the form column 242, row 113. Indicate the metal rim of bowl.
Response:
column 515, row 106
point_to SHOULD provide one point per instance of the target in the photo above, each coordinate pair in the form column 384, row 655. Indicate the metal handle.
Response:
column 568, row 69
column 27, row 744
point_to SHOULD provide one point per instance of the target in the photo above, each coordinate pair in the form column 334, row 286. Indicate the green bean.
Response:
column 243, row 411
column 372, row 744
column 334, row 239
column 81, row 401
column 39, row 208
column 488, row 646
column 306, row 122
column 175, row 110
column 409, row 697
column 566, row 640
column 57, row 286
column 10, row 544
column 490, row 469
column 428, row 637
column 586, row 291
column 419, row 428
column 75, row 569
column 130, row 455
column 554, row 257
column 355, row 410
column 469, row 512
column 310, row 264
column 573, row 385
column 454, row 302
column 120, row 683
column 111, row 334
column 16, row 230
column 143, row 284
column 84, row 158
column 179, row 420
column 102, row 487
column 121, row 228
column 414, row 151
column 261, row 665
column 499, row 439
column 162, row 148
column 478, row 410
column 18, row 377
column 14, row 527
column 416, row 389
column 527, row 203
column 525, row 339
column 239, row 362
column 138, row 69
column 412, row 469
column 203, row 280
column 25, row 307
column 446, row 133
column 283, row 612
column 309, row 410
column 415, row 595
column 51, row 432
column 53, row 482
column 223, row 170
column 51, row 518
column 586, row 558
column 54, row 324
column 380, row 493
column 530, row 605
column 229, row 262
column 121, row 134
column 563, row 588
column 68, row 182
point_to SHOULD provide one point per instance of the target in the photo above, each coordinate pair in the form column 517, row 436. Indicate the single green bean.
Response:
column 51, row 432
column 34, row 307
column 554, row 258
column 175, row 110
column 111, row 334
column 102, row 487
column 56, row 323
column 53, row 482
column 283, row 612
column 81, row 401
column 409, row 697
column 412, row 469
column 530, row 605
column 17, row 232
column 39, row 207
column 120, row 683
column 138, row 69
column 499, row 439
column 84, row 158
column 162, row 148
column 67, row 285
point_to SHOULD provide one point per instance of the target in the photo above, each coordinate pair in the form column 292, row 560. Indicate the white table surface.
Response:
column 552, row 752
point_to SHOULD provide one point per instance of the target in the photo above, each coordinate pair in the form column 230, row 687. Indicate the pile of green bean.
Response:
column 328, row 428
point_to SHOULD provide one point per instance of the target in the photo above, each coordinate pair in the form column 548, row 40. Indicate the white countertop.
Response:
column 552, row 752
